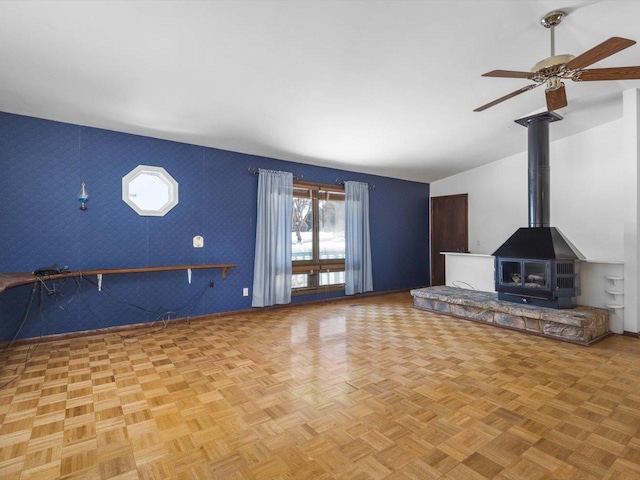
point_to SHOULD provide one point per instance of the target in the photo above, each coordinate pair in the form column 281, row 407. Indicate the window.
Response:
column 150, row 191
column 317, row 237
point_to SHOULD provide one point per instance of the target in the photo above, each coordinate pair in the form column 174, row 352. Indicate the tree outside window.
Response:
column 317, row 237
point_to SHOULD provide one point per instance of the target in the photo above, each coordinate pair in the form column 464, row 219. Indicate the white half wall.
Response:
column 469, row 271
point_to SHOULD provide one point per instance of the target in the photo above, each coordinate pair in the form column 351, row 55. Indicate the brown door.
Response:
column 448, row 231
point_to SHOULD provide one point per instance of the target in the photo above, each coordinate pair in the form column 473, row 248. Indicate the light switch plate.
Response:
column 198, row 241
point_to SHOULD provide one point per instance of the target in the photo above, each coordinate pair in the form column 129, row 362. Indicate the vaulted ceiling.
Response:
column 384, row 87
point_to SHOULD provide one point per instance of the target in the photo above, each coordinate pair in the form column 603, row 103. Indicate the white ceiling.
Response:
column 383, row 87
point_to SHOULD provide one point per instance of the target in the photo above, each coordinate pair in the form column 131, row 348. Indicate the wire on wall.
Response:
column 163, row 315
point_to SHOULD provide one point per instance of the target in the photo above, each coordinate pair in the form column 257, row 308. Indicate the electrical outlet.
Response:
column 198, row 241
column 245, row 292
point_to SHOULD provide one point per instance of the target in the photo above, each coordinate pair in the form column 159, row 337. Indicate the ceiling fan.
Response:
column 551, row 71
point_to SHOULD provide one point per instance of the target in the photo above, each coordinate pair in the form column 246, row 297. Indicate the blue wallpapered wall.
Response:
column 42, row 164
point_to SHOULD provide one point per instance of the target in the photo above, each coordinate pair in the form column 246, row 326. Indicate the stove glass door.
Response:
column 536, row 274
column 511, row 273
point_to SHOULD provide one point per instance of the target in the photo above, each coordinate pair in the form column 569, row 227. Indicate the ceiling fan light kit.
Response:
column 552, row 70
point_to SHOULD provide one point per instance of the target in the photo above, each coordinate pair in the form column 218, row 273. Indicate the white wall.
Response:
column 631, row 116
column 594, row 202
column 599, row 286
column 586, row 195
column 587, row 201
column 497, row 200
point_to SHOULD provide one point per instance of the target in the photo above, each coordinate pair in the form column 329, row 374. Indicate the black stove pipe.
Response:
column 538, row 179
column 538, row 159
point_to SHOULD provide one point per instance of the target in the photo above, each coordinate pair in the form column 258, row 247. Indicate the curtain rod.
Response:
column 255, row 171
column 341, row 182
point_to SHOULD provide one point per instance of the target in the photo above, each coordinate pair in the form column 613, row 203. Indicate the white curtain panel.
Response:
column 272, row 264
column 358, row 274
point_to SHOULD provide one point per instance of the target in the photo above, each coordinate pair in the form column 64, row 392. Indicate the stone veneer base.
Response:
column 581, row 325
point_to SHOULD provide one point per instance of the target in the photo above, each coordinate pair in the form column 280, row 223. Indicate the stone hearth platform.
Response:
column 582, row 325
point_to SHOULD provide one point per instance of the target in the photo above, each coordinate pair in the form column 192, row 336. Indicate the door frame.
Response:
column 466, row 222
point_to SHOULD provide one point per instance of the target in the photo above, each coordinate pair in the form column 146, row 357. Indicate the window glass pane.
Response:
column 302, row 229
column 331, row 278
column 299, row 280
column 331, row 219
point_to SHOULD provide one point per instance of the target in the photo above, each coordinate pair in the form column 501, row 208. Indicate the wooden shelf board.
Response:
column 9, row 280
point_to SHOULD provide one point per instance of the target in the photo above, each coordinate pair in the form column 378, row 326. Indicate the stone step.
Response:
column 582, row 325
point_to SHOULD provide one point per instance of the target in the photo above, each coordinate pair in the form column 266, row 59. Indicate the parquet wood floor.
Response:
column 362, row 389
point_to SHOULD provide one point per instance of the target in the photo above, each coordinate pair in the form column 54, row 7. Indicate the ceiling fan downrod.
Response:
column 550, row 21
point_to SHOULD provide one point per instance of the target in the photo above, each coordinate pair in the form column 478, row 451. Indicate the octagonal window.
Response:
column 150, row 191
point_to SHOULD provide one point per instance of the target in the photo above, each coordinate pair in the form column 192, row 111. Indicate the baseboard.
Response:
column 209, row 316
column 631, row 334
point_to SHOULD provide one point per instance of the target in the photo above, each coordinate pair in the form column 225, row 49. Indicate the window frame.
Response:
column 314, row 267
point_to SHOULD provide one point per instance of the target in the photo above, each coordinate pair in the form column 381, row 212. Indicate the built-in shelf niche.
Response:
column 616, row 293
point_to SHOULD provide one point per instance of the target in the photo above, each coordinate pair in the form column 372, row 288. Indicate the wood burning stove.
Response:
column 546, row 283
column 538, row 265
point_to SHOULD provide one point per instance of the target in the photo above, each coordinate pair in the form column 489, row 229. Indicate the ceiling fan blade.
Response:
column 615, row 73
column 556, row 99
column 507, row 97
column 508, row 74
column 597, row 53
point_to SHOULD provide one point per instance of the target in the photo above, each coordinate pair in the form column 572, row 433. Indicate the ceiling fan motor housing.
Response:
column 555, row 61
column 551, row 63
column 551, row 70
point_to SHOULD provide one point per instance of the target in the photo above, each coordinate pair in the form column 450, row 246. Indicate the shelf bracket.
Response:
column 615, row 280
column 615, row 307
column 99, row 275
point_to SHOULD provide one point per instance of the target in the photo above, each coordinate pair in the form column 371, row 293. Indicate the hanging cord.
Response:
column 24, row 319
column 162, row 315
column 165, row 317
column 112, row 295
column 32, row 348
column 457, row 283
column 8, row 347
column 57, row 291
